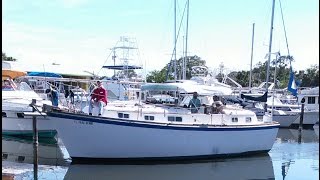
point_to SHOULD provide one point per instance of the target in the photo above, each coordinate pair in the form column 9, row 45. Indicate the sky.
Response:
column 81, row 33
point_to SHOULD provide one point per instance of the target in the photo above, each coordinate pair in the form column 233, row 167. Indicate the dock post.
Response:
column 35, row 142
column 301, row 115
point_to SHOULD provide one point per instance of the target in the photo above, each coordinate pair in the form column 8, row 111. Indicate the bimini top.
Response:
column 183, row 88
column 44, row 74
column 8, row 73
column 122, row 67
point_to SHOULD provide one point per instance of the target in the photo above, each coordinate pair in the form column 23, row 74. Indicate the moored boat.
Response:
column 141, row 131
column 16, row 99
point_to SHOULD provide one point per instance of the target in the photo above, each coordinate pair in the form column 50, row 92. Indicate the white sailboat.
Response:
column 161, row 132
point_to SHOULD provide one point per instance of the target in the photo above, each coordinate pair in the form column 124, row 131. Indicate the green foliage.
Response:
column 280, row 66
column 126, row 73
column 191, row 61
column 5, row 58
column 310, row 78
column 157, row 76
column 160, row 76
column 243, row 78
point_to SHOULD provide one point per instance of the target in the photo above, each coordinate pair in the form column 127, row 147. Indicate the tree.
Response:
column 311, row 77
column 161, row 76
column 157, row 76
column 126, row 73
column 5, row 58
column 243, row 78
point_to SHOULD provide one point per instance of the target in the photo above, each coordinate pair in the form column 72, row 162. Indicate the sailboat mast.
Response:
column 175, row 41
column 270, row 43
column 183, row 59
column 251, row 57
column 186, row 50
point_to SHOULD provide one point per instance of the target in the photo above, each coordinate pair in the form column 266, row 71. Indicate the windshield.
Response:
column 23, row 86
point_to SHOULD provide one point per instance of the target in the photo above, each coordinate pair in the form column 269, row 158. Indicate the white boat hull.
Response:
column 285, row 121
column 24, row 126
column 106, row 138
column 15, row 123
column 309, row 118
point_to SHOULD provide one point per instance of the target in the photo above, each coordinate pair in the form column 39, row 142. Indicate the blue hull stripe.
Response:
column 133, row 123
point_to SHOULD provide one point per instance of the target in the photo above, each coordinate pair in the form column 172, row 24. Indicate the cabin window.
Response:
column 311, row 100
column 122, row 115
column 173, row 118
column 179, row 119
column 21, row 158
column 248, row 119
column 149, row 118
column 4, row 156
column 126, row 115
column 20, row 115
column 234, row 119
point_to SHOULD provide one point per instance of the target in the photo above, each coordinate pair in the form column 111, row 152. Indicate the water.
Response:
column 292, row 157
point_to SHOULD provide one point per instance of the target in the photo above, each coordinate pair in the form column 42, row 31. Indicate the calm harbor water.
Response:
column 293, row 156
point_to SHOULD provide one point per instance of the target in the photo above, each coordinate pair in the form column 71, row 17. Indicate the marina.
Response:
column 158, row 128
column 79, row 104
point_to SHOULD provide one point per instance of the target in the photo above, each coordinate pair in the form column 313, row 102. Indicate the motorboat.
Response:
column 16, row 101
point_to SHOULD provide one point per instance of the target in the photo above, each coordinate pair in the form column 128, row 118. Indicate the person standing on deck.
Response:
column 99, row 98
column 194, row 103
column 54, row 95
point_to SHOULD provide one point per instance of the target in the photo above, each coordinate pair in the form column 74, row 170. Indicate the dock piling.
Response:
column 35, row 141
column 301, row 115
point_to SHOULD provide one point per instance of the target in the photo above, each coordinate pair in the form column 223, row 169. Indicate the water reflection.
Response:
column 295, row 154
column 20, row 150
column 294, row 135
column 316, row 129
column 257, row 167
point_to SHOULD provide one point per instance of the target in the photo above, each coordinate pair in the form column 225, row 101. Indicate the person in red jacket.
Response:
column 98, row 98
